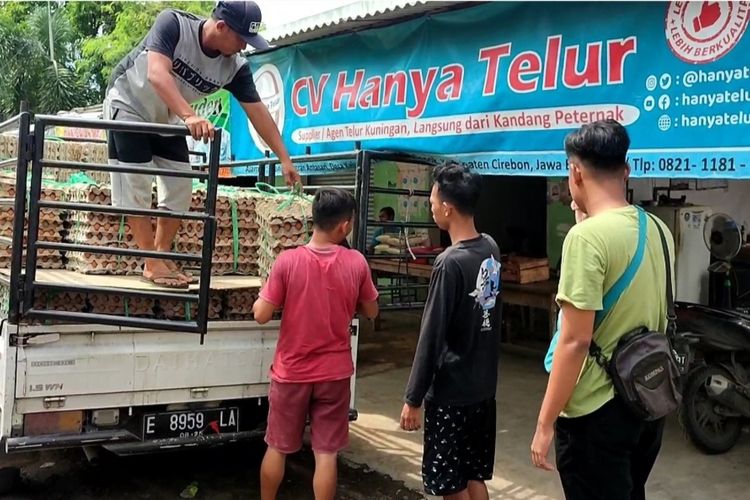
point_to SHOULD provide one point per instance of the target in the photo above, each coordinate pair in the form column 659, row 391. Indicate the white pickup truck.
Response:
column 134, row 390
column 128, row 385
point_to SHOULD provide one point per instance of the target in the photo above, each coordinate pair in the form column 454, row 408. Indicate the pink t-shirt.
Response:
column 319, row 291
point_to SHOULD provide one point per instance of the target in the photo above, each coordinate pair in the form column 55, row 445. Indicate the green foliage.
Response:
column 88, row 40
column 28, row 70
column 132, row 22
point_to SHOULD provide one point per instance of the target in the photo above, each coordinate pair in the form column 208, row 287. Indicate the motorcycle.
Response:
column 716, row 387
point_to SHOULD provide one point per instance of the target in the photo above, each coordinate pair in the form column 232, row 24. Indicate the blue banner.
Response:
column 498, row 86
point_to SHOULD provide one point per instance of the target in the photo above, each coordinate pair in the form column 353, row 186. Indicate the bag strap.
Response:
column 614, row 294
column 596, row 351
column 671, row 316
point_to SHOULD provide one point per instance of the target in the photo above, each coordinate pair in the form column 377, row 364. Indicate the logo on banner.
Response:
column 270, row 87
column 702, row 32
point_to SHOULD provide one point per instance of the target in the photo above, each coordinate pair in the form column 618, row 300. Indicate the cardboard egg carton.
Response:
column 239, row 304
column 7, row 186
column 97, row 263
column 88, row 235
column 284, row 223
column 94, row 218
column 282, row 215
column 282, row 241
column 248, row 268
column 46, row 299
column 243, row 222
column 121, row 306
column 45, row 258
column 51, row 223
column 47, row 231
column 60, row 301
column 177, row 310
column 229, row 259
column 80, row 152
column 94, row 194
column 8, row 146
column 190, row 230
column 43, row 262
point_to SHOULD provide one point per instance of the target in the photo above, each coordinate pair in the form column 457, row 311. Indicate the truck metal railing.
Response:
column 31, row 148
column 404, row 282
column 22, row 123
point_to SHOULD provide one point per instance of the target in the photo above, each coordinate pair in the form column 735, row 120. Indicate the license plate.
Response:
column 191, row 423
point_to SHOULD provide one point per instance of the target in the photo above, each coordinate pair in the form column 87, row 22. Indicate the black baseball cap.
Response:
column 244, row 19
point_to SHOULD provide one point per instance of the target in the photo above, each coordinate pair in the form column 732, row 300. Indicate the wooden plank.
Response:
column 541, row 287
column 525, row 262
column 66, row 277
column 231, row 283
column 401, row 268
column 525, row 276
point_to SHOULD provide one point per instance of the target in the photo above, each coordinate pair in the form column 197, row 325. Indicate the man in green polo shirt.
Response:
column 603, row 451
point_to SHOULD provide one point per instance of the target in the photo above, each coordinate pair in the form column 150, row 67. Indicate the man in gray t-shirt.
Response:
column 182, row 59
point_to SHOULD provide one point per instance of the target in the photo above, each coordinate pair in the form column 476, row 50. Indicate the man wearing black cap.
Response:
column 182, row 59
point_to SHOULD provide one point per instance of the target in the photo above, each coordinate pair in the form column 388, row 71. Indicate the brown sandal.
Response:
column 188, row 276
column 166, row 280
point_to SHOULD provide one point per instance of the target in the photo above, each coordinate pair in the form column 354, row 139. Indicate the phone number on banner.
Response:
column 686, row 163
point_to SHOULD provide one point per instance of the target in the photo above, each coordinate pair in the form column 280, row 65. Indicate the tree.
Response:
column 36, row 60
column 132, row 20
column 59, row 55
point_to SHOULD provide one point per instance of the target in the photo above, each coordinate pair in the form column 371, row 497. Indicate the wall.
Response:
column 734, row 200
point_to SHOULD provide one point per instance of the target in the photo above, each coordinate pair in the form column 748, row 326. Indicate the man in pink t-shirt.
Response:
column 320, row 287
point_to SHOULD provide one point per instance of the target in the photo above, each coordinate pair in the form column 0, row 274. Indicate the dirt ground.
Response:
column 682, row 473
column 226, row 473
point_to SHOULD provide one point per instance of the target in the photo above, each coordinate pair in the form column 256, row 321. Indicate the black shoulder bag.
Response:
column 643, row 368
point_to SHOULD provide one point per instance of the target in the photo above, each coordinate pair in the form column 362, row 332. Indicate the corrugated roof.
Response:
column 352, row 17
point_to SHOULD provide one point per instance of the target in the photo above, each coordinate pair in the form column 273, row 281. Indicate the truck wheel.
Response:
column 709, row 431
column 9, row 477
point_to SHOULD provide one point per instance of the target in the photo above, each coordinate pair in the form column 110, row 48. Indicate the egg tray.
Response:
column 119, row 305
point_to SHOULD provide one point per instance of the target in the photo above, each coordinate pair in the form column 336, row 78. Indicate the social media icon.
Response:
column 664, row 102
column 665, row 81
column 651, row 83
column 664, row 123
column 649, row 103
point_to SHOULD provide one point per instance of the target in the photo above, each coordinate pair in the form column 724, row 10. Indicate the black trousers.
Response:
column 606, row 455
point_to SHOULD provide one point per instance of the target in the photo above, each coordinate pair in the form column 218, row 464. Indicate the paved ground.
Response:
column 231, row 473
column 681, row 472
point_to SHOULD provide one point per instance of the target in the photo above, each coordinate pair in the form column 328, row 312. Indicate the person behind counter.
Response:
column 386, row 214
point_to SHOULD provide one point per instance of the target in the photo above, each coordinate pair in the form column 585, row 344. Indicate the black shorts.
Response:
column 459, row 446
column 150, row 150
column 135, row 147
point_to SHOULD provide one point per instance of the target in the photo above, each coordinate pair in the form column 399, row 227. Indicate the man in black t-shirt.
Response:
column 182, row 59
column 455, row 366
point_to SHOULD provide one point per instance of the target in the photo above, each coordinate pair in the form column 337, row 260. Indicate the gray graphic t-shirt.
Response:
column 198, row 71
